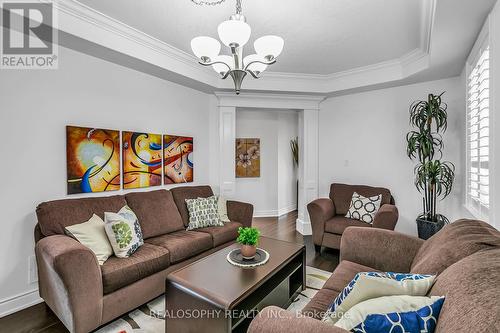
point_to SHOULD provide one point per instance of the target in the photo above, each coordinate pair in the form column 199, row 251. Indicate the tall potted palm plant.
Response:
column 433, row 177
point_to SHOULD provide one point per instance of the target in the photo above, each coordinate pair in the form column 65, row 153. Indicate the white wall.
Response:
column 35, row 108
column 270, row 194
column 362, row 141
column 287, row 171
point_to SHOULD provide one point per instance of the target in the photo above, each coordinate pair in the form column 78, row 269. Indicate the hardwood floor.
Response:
column 40, row 319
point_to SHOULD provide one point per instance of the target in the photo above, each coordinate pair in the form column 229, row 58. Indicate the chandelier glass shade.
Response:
column 235, row 33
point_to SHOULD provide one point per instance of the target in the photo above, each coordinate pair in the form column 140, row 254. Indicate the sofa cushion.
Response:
column 471, row 287
column 344, row 273
column 92, row 234
column 363, row 208
column 341, row 195
column 203, row 212
column 337, row 224
column 54, row 216
column 320, row 303
column 182, row 193
column 454, row 242
column 120, row 272
column 156, row 211
column 221, row 235
column 183, row 244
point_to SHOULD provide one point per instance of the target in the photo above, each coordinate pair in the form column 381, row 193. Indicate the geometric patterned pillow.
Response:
column 393, row 314
column 203, row 212
column 368, row 285
column 362, row 208
column 124, row 232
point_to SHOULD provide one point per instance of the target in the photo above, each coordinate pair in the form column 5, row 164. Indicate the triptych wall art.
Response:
column 93, row 159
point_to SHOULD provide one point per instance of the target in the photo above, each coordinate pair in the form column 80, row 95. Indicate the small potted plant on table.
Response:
column 248, row 238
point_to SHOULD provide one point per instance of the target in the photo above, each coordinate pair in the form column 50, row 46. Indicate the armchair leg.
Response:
column 317, row 248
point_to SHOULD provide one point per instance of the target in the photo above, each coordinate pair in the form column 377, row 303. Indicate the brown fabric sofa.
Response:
column 85, row 295
column 328, row 219
column 465, row 256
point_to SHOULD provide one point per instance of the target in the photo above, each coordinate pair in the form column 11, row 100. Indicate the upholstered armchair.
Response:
column 328, row 214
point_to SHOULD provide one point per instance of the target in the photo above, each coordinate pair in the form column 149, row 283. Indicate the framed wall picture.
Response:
column 142, row 156
column 92, row 159
column 178, row 159
column 247, row 158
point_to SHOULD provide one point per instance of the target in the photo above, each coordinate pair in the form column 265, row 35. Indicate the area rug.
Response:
column 149, row 317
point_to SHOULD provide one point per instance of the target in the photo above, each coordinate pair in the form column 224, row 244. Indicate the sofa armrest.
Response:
column 70, row 282
column 320, row 210
column 385, row 250
column 386, row 217
column 273, row 320
column 240, row 212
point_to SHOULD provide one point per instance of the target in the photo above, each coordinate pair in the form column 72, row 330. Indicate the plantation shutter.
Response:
column 478, row 135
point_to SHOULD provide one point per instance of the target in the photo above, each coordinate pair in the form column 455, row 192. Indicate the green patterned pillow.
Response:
column 124, row 232
column 203, row 212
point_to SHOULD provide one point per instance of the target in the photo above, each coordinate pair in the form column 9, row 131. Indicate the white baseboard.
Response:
column 19, row 302
column 303, row 227
column 286, row 210
column 274, row 212
column 266, row 213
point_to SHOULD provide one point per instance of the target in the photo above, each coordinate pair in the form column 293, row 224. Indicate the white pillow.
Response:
column 222, row 204
column 393, row 313
column 124, row 232
column 362, row 208
column 368, row 285
column 92, row 235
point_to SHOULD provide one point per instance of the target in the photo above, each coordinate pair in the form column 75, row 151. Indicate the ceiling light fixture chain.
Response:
column 207, row 3
column 238, row 7
column 235, row 33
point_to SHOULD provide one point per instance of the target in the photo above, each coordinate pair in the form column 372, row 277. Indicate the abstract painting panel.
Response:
column 141, row 159
column 247, row 158
column 178, row 159
column 92, row 159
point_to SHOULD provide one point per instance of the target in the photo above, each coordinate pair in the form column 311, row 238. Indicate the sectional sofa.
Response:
column 465, row 256
column 85, row 295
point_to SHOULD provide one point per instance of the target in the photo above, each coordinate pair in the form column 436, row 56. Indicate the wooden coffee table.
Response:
column 211, row 295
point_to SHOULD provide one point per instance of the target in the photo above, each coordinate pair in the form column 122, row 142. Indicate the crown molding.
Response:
column 89, row 24
column 269, row 100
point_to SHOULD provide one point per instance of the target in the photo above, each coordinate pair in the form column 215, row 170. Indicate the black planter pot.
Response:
column 426, row 228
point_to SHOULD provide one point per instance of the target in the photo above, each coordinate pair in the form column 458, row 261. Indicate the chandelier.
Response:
column 235, row 33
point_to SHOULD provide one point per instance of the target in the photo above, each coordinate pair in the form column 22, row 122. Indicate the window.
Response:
column 478, row 135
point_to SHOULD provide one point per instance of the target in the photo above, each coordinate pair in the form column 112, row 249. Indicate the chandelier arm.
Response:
column 255, row 76
column 270, row 62
column 215, row 62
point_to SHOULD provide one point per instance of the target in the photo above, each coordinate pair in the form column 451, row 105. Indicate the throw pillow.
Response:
column 124, row 232
column 368, row 285
column 362, row 208
column 92, row 235
column 203, row 212
column 222, row 203
column 412, row 314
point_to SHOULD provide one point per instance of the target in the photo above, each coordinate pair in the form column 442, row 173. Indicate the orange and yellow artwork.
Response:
column 92, row 159
column 178, row 159
column 247, row 158
column 141, row 159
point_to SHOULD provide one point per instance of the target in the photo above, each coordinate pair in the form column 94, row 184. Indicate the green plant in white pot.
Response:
column 433, row 177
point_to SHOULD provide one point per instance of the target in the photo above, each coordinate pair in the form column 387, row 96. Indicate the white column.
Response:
column 308, row 166
column 227, row 128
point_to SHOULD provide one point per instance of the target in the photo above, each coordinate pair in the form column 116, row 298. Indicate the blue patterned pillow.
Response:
column 368, row 285
column 393, row 314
